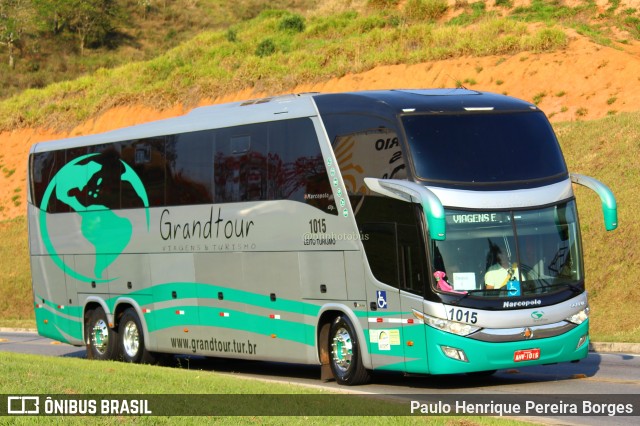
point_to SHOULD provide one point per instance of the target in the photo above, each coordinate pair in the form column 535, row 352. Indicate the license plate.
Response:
column 526, row 355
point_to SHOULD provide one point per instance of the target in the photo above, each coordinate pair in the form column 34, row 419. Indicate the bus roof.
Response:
column 203, row 118
column 387, row 102
column 416, row 101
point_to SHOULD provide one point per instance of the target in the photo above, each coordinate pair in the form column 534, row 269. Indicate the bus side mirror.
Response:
column 412, row 192
column 609, row 207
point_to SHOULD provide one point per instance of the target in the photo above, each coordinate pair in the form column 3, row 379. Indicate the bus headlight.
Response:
column 579, row 317
column 459, row 328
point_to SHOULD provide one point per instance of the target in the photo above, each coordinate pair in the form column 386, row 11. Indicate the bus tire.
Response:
column 344, row 354
column 132, row 339
column 102, row 341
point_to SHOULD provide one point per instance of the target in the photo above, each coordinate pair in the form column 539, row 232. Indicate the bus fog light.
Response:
column 579, row 317
column 582, row 340
column 455, row 353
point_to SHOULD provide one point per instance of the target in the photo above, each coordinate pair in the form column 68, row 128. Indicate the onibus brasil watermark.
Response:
column 66, row 405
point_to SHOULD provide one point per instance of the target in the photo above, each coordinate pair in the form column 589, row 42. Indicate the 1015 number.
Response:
column 462, row 315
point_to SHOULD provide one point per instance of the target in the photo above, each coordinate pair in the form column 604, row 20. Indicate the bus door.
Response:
column 383, row 295
column 413, row 279
column 396, row 255
column 412, row 210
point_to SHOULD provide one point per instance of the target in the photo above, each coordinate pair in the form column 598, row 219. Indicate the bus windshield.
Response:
column 500, row 254
column 509, row 149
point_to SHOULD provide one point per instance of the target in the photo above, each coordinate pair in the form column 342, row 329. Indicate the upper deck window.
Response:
column 469, row 149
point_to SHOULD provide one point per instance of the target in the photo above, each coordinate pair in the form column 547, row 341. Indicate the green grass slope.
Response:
column 270, row 53
column 609, row 149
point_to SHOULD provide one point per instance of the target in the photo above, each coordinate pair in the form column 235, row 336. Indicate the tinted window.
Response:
column 147, row 158
column 365, row 146
column 190, row 168
column 104, row 185
column 240, row 163
column 392, row 240
column 45, row 166
column 369, row 153
column 484, row 148
column 267, row 161
column 296, row 168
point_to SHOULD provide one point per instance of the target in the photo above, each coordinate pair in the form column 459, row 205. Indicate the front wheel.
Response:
column 132, row 339
column 344, row 354
column 101, row 340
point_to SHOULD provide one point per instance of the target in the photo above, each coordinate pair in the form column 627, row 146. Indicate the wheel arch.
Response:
column 328, row 313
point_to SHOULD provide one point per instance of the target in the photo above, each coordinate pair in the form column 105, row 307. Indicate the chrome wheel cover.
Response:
column 342, row 349
column 100, row 336
column 131, row 339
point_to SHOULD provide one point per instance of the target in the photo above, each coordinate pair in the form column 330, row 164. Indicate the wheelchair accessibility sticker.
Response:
column 381, row 297
column 513, row 288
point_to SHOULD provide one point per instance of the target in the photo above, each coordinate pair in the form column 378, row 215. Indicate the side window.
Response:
column 392, row 241
column 366, row 146
column 296, row 167
column 240, row 163
column 147, row 158
column 104, row 183
column 190, row 168
column 265, row 161
column 46, row 166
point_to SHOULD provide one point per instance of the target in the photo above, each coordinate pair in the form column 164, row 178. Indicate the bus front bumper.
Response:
column 450, row 354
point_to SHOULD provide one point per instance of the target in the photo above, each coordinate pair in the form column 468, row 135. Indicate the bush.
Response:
column 293, row 23
column 430, row 10
column 266, row 48
column 232, row 35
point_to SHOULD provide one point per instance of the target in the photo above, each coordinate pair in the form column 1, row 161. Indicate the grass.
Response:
column 266, row 55
column 608, row 149
column 138, row 381
column 16, row 309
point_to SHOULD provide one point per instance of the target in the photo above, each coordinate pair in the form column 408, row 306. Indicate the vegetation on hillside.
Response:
column 273, row 51
column 160, row 53
column 45, row 41
column 608, row 149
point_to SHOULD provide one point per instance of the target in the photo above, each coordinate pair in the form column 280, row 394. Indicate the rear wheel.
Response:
column 101, row 340
column 132, row 339
column 344, row 354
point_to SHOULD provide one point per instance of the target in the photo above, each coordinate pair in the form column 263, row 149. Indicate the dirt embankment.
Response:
column 582, row 82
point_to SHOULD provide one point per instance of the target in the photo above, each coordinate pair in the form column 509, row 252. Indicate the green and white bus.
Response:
column 422, row 231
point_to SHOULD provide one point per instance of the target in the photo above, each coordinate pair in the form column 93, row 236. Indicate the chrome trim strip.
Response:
column 498, row 335
column 548, row 194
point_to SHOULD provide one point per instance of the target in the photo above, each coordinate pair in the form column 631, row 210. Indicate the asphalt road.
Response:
column 616, row 375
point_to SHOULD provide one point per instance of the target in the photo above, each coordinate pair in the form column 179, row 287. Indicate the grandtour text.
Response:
column 204, row 229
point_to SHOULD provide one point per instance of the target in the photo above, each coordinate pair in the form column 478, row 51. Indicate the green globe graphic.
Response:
column 81, row 184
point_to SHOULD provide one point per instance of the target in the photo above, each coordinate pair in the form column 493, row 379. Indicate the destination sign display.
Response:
column 477, row 218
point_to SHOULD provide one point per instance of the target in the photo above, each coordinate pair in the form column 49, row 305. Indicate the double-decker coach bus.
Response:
column 422, row 231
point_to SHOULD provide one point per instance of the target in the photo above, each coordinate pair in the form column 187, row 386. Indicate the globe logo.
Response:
column 86, row 184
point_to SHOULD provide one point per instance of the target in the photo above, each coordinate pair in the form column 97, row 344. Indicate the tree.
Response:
column 88, row 20
column 15, row 18
column 93, row 19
